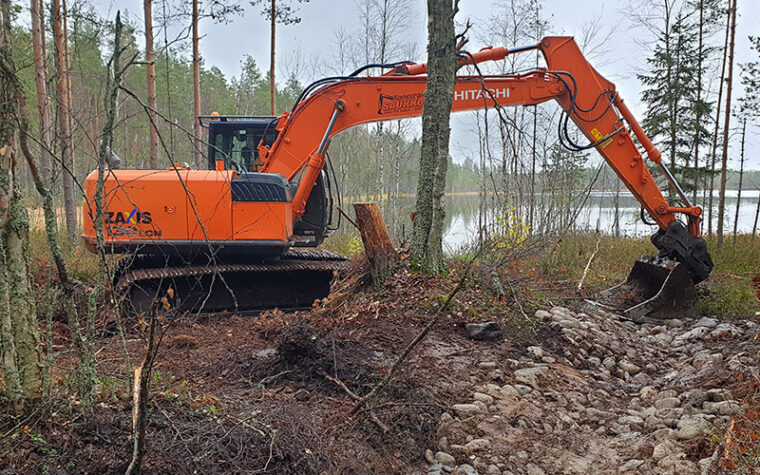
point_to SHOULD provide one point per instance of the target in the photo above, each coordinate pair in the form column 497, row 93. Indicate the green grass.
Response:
column 82, row 264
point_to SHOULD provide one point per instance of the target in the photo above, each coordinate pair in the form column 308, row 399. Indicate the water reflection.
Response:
column 464, row 216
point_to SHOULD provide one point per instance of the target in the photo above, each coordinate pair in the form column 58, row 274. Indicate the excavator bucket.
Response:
column 657, row 288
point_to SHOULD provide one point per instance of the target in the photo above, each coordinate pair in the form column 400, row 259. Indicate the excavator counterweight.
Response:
column 235, row 228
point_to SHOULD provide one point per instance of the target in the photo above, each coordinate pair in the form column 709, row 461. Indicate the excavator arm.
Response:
column 587, row 98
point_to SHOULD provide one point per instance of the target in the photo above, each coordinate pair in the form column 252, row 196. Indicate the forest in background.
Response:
column 518, row 156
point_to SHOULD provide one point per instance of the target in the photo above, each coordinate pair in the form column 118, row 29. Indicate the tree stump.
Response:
column 381, row 255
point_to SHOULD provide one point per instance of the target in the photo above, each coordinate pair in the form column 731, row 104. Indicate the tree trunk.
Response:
column 20, row 341
column 272, row 88
column 151, row 71
column 381, row 255
column 43, row 105
column 741, row 179
column 167, row 62
column 726, row 130
column 757, row 215
column 717, row 127
column 196, row 90
column 429, row 209
column 64, row 120
column 697, row 130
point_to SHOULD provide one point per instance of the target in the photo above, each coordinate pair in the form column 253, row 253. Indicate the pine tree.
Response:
column 671, row 97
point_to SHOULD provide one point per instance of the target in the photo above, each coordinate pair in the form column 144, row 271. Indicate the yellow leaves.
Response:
column 510, row 229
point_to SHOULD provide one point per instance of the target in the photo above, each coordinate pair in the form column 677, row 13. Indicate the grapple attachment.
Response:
column 657, row 288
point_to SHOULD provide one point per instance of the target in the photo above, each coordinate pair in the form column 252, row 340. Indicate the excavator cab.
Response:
column 233, row 141
column 233, row 145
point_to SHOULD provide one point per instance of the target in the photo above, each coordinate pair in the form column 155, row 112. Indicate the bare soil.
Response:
column 234, row 394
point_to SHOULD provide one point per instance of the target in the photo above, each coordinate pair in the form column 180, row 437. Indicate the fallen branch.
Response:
column 373, row 417
column 588, row 264
column 345, row 215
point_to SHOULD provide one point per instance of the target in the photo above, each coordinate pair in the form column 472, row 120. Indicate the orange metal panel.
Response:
column 262, row 221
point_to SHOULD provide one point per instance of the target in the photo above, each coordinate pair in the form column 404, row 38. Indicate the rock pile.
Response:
column 603, row 396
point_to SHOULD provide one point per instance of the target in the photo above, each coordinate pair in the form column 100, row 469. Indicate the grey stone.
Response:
column 508, row 392
column 542, row 315
column 693, row 334
column 631, row 420
column 629, row 367
column 725, row 330
column 631, row 466
column 718, row 394
column 595, row 415
column 668, row 462
column 529, row 376
column 704, row 464
column 445, row 459
column 685, row 467
column 536, row 351
column 484, row 398
column 443, row 444
column 664, row 449
column 465, row 469
column 476, row 445
column 467, row 410
column 667, row 403
column 691, row 430
column 728, row 408
column 667, row 393
column 522, row 389
column 532, row 469
column 493, row 470
column 653, row 421
column 609, row 363
column 707, row 322
column 569, row 323
column 484, row 331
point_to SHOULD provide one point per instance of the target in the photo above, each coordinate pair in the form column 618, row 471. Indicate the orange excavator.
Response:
column 242, row 233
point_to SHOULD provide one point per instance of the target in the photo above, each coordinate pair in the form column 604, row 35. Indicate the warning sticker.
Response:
column 599, row 136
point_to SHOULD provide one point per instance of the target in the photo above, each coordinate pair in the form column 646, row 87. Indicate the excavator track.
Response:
column 295, row 280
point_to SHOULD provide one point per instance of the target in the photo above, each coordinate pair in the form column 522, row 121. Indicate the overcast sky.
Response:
column 313, row 40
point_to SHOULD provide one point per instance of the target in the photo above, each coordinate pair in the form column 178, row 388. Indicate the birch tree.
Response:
column 19, row 338
column 39, row 44
column 724, row 157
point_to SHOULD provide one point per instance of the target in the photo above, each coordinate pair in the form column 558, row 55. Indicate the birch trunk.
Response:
column 43, row 104
column 724, row 158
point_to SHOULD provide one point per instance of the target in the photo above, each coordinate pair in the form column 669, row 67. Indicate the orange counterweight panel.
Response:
column 181, row 207
column 262, row 221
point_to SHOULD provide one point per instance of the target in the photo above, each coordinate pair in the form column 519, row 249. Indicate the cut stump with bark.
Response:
column 381, row 255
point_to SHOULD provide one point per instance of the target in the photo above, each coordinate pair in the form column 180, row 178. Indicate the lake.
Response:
column 597, row 214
